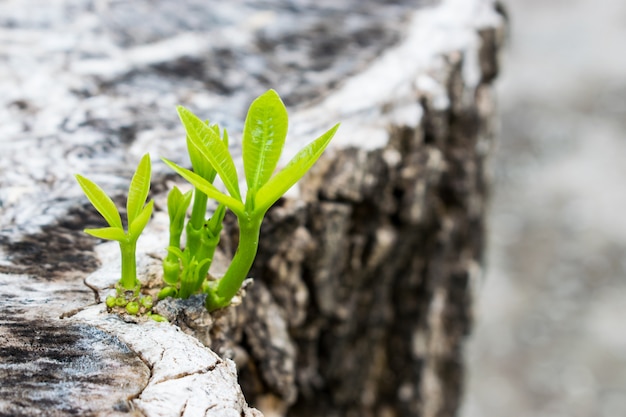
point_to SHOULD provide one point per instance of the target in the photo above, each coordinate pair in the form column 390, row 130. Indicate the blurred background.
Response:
column 550, row 334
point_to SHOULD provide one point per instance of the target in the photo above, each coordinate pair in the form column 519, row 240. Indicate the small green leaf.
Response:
column 138, row 190
column 207, row 188
column 225, row 137
column 100, row 201
column 140, row 222
column 179, row 218
column 214, row 224
column 295, row 169
column 188, row 280
column 110, row 301
column 178, row 254
column 147, row 302
column 171, row 269
column 174, row 197
column 132, row 308
column 108, row 233
column 176, row 203
column 157, row 318
column 264, row 136
column 213, row 149
column 201, row 165
column 167, row 292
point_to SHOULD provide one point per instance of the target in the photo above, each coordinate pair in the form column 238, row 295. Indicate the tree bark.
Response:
column 361, row 292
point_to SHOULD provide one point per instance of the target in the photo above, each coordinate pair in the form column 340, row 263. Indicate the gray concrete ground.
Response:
column 550, row 337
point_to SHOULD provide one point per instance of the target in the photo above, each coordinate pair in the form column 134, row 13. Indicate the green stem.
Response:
column 175, row 234
column 207, row 252
column 211, row 238
column 170, row 263
column 229, row 284
column 198, row 210
column 196, row 223
column 129, row 264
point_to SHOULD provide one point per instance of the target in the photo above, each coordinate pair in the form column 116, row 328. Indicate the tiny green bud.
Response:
column 120, row 301
column 157, row 317
column 166, row 292
column 132, row 307
column 110, row 301
column 171, row 270
column 146, row 302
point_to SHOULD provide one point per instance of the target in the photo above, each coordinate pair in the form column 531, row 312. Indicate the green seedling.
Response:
column 177, row 204
column 138, row 215
column 185, row 270
column 203, row 235
column 264, row 134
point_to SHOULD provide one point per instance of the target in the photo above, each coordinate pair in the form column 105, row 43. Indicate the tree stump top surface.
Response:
column 89, row 86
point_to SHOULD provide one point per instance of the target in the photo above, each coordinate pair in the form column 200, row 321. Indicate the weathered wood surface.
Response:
column 362, row 291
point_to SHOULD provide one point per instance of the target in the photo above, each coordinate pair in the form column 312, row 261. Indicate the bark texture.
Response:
column 372, row 274
column 362, row 290
column 361, row 296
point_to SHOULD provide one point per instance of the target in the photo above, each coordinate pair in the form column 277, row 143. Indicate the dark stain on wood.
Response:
column 57, row 249
column 50, row 368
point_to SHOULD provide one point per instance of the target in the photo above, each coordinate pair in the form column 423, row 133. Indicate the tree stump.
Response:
column 361, row 292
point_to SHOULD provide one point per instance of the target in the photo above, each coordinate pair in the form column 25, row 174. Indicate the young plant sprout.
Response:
column 138, row 215
column 185, row 270
column 264, row 134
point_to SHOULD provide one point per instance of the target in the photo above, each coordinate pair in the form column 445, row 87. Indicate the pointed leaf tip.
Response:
column 108, row 233
column 293, row 171
column 100, row 200
column 207, row 188
column 211, row 147
column 139, row 223
column 139, row 189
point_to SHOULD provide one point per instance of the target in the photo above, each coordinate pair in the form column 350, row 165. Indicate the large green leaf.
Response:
column 264, row 135
column 100, row 201
column 295, row 169
column 207, row 188
column 138, row 190
column 108, row 233
column 139, row 223
column 210, row 145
